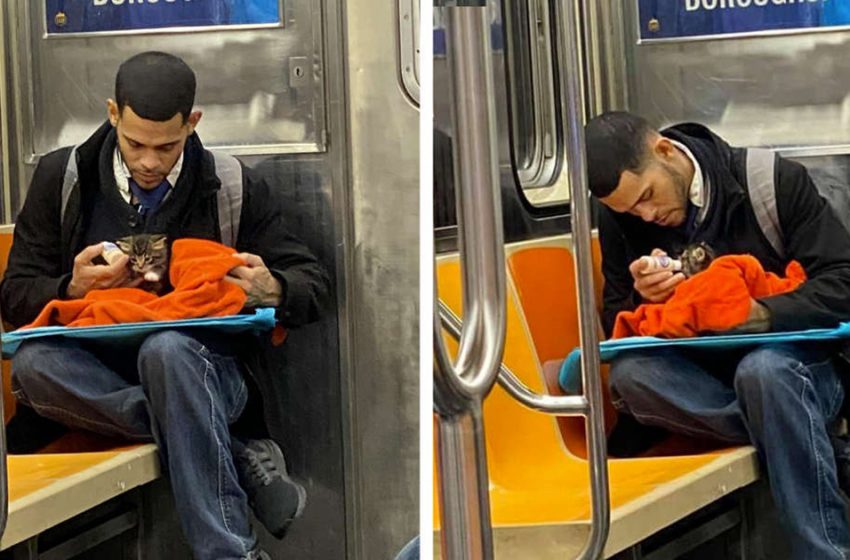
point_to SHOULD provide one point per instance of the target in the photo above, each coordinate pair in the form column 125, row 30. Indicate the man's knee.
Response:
column 34, row 364
column 165, row 352
column 764, row 369
column 162, row 344
column 626, row 377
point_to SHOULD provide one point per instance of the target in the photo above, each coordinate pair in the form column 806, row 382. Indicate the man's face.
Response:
column 658, row 193
column 150, row 148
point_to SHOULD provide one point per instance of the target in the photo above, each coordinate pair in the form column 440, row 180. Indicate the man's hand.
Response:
column 87, row 276
column 262, row 289
column 758, row 320
column 655, row 287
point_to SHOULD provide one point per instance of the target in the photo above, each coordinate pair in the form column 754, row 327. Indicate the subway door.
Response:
column 382, row 263
column 265, row 86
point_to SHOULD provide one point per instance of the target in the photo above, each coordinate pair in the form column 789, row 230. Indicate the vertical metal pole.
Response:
column 573, row 122
column 460, row 387
column 465, row 498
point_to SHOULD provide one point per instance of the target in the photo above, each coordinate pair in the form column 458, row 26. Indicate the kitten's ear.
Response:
column 158, row 242
column 125, row 244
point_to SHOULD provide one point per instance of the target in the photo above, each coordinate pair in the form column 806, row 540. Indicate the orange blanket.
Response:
column 197, row 272
column 715, row 300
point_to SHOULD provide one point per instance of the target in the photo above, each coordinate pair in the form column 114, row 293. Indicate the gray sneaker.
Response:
column 276, row 499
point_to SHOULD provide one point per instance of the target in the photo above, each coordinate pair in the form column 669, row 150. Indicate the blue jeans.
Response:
column 779, row 397
column 179, row 389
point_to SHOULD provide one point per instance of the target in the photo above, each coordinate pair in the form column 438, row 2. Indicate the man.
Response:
column 661, row 191
column 146, row 171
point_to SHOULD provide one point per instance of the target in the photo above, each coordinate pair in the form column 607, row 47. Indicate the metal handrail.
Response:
column 460, row 387
column 478, row 203
column 572, row 116
column 567, row 405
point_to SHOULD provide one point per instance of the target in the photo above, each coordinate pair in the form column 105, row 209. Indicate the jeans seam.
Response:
column 826, row 519
column 225, row 508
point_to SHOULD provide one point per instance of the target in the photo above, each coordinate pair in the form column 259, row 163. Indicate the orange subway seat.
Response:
column 534, row 479
column 545, row 283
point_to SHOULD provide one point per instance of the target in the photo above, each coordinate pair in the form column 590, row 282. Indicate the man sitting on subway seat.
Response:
column 664, row 191
column 182, row 389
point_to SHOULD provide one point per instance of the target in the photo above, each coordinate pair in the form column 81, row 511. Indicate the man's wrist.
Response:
column 69, row 290
column 758, row 320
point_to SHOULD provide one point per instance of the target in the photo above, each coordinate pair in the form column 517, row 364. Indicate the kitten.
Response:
column 696, row 258
column 148, row 258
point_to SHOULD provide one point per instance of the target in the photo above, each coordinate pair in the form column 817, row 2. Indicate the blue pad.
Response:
column 570, row 375
column 134, row 333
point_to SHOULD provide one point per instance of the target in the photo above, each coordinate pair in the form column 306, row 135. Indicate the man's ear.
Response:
column 193, row 119
column 112, row 112
column 663, row 147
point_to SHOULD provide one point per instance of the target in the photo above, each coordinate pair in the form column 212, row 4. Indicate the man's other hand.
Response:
column 758, row 319
column 655, row 287
column 88, row 276
column 261, row 287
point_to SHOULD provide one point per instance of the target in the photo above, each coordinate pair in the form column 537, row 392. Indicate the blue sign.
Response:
column 93, row 16
column 667, row 19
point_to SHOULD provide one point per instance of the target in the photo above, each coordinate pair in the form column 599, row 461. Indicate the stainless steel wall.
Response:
column 788, row 91
column 252, row 101
column 383, row 306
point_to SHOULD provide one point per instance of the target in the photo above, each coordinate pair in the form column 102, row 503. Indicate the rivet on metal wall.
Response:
column 654, row 25
column 60, row 19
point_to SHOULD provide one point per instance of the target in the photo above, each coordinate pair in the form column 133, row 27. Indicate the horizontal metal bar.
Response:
column 566, row 405
column 240, row 150
column 162, row 30
column 738, row 35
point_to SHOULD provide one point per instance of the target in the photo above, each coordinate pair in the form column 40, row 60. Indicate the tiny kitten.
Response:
column 696, row 258
column 148, row 258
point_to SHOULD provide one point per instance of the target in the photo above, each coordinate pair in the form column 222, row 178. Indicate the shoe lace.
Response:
column 260, row 466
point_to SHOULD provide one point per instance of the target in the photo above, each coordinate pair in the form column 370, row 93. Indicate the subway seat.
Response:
column 539, row 479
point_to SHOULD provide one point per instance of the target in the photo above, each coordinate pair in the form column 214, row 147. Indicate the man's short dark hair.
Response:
column 616, row 142
column 156, row 85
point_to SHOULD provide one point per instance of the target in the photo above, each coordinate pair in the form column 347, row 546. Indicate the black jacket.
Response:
column 811, row 231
